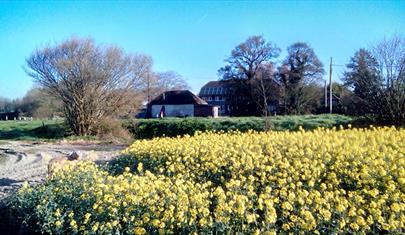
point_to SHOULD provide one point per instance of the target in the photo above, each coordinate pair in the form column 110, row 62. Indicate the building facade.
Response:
column 180, row 103
column 215, row 93
column 233, row 100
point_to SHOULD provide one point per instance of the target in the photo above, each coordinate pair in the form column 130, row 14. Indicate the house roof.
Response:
column 178, row 97
column 215, row 88
column 212, row 84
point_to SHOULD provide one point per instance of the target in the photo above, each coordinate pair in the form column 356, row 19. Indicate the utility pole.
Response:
column 148, row 87
column 326, row 95
column 330, row 86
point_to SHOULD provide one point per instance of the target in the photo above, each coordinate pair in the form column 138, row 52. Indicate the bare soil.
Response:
column 28, row 161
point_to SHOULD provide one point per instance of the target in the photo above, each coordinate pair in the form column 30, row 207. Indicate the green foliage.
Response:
column 150, row 128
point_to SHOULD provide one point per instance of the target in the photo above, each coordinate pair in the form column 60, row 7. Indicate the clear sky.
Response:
column 190, row 37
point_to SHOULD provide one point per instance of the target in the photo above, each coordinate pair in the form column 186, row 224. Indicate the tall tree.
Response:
column 377, row 78
column 247, row 63
column 93, row 82
column 156, row 83
column 299, row 77
column 39, row 103
column 265, row 91
column 390, row 55
column 362, row 77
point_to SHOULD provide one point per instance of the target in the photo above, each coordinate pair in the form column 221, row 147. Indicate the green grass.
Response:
column 149, row 128
column 33, row 130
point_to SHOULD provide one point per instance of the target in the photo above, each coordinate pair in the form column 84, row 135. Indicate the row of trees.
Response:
column 376, row 77
column 253, row 69
column 373, row 84
column 89, row 83
column 95, row 82
column 36, row 103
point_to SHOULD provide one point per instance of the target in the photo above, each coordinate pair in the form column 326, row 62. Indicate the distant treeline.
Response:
column 373, row 82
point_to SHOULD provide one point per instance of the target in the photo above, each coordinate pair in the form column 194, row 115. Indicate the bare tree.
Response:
column 377, row 79
column 390, row 55
column 39, row 103
column 93, row 82
column 170, row 80
column 156, row 83
column 245, row 64
column 265, row 91
column 299, row 75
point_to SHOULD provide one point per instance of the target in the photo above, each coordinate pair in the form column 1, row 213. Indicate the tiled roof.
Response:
column 215, row 88
column 177, row 97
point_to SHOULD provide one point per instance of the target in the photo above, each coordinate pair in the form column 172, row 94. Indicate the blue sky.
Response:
column 191, row 37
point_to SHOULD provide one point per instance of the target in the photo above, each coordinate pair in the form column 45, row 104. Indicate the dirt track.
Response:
column 28, row 161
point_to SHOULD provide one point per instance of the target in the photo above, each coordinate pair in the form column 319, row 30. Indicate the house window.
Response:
column 216, row 98
column 209, row 98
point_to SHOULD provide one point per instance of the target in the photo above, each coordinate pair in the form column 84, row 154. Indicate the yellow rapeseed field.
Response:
column 323, row 181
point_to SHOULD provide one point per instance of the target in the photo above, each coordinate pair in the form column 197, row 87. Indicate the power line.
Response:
column 384, row 66
column 330, row 86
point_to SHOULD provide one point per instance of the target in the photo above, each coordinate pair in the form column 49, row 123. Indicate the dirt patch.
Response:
column 22, row 161
column 28, row 161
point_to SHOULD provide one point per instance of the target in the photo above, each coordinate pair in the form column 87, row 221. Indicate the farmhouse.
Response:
column 180, row 103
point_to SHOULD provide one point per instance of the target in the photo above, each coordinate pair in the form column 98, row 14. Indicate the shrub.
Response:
column 171, row 127
column 113, row 130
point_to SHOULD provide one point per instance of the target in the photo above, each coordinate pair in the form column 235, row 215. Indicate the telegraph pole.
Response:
column 326, row 95
column 330, row 86
column 148, row 87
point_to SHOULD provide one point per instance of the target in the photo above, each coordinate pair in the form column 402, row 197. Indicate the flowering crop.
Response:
column 322, row 181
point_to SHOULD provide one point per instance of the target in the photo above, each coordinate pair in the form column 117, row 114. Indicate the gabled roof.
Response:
column 177, row 97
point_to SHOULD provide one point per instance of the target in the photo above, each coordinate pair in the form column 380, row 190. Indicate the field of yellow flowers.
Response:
column 323, row 181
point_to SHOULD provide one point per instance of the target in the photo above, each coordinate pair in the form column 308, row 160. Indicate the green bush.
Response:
column 171, row 127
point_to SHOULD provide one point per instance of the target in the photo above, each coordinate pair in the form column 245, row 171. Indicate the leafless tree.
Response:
column 246, row 64
column 92, row 81
column 390, row 55
column 171, row 80
column 156, row 83
column 265, row 91
column 247, row 58
column 39, row 103
column 299, row 75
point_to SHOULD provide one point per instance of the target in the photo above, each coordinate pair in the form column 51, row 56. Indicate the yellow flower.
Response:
column 139, row 231
column 58, row 224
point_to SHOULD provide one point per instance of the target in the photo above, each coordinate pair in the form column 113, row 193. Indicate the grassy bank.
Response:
column 149, row 128
column 33, row 130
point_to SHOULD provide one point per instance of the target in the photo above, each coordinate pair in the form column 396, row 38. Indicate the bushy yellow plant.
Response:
column 322, row 181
